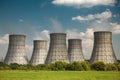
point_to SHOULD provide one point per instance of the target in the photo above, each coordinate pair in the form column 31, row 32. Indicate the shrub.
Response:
column 57, row 66
column 118, row 65
column 85, row 66
column 41, row 67
column 14, row 66
column 98, row 66
column 111, row 67
column 75, row 66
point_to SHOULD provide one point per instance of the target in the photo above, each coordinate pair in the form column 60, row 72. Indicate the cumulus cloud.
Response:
column 100, row 22
column 4, row 39
column 102, row 16
column 43, row 35
column 83, row 3
column 106, row 26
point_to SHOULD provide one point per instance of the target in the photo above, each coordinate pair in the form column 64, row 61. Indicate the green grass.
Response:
column 59, row 75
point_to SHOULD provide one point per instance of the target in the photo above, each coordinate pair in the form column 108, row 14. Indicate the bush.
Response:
column 98, row 66
column 57, row 66
column 111, row 67
column 118, row 65
column 41, row 67
column 14, row 66
column 22, row 67
column 75, row 66
column 85, row 66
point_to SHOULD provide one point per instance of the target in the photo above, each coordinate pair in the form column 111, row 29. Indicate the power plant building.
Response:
column 103, row 50
column 16, row 50
column 39, row 52
column 57, row 50
column 75, row 50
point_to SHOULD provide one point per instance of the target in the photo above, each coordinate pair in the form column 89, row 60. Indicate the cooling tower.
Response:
column 16, row 50
column 75, row 50
column 39, row 52
column 57, row 50
column 103, row 50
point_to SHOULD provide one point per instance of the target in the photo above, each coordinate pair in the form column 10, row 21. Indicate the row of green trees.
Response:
column 62, row 66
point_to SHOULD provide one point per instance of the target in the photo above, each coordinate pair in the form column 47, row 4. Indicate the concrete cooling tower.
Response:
column 103, row 50
column 39, row 52
column 57, row 50
column 75, row 50
column 16, row 50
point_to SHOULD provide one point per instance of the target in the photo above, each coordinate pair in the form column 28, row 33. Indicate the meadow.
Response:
column 58, row 75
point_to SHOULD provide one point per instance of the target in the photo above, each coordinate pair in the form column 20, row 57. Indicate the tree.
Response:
column 99, row 66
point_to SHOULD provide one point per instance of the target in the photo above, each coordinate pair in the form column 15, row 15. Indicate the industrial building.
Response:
column 103, row 49
column 57, row 49
column 75, row 50
column 39, row 52
column 16, row 50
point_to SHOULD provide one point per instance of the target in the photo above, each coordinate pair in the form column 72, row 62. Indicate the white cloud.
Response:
column 43, row 35
column 29, row 50
column 115, row 28
column 106, row 26
column 73, row 34
column 83, row 3
column 4, row 39
column 102, row 16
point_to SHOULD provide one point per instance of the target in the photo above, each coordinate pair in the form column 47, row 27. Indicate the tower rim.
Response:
column 74, row 39
column 17, row 35
column 58, row 33
column 40, row 40
column 103, row 31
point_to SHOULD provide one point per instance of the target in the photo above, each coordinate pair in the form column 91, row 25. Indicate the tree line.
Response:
column 62, row 66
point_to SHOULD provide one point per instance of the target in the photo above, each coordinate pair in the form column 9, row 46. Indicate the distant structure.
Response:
column 57, row 50
column 103, row 50
column 75, row 50
column 39, row 52
column 16, row 50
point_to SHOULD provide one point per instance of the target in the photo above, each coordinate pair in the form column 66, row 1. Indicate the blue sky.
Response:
column 78, row 18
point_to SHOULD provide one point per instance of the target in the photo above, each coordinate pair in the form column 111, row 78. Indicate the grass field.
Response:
column 59, row 75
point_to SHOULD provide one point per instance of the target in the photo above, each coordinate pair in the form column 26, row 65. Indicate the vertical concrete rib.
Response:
column 39, row 52
column 16, row 50
column 103, row 50
column 57, row 50
column 75, row 50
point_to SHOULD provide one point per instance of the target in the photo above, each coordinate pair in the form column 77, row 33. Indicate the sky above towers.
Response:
column 78, row 18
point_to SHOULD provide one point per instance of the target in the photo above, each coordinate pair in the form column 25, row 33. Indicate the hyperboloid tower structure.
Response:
column 39, row 52
column 103, row 50
column 75, row 50
column 57, row 50
column 16, row 50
